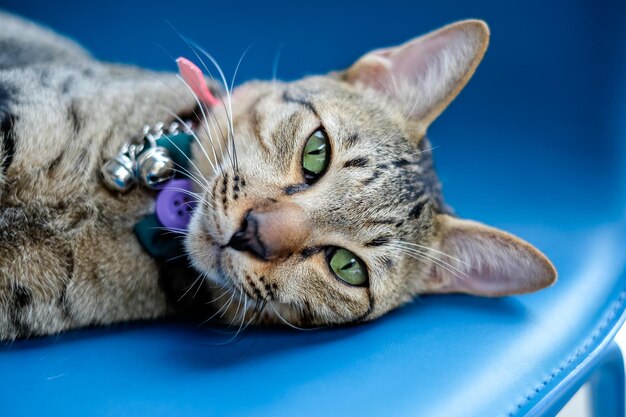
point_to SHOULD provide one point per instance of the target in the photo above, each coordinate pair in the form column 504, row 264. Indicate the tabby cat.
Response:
column 321, row 205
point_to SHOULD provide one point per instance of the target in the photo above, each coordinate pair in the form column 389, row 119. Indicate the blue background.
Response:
column 543, row 106
column 535, row 144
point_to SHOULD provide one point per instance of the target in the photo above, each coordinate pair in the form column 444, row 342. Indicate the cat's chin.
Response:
column 209, row 256
column 214, row 261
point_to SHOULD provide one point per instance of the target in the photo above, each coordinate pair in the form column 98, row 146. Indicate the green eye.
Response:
column 315, row 155
column 347, row 267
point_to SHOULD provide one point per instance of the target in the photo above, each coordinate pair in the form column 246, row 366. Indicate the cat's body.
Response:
column 68, row 255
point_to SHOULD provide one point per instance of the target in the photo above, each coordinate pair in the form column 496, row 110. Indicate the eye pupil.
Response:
column 349, row 265
column 315, row 157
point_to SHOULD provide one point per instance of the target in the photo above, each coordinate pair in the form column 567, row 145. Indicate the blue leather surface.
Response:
column 440, row 356
column 536, row 144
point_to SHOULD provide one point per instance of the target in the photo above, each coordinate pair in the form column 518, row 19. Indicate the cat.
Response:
column 321, row 205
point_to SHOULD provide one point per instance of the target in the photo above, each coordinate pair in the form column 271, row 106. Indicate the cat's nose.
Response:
column 272, row 231
column 246, row 239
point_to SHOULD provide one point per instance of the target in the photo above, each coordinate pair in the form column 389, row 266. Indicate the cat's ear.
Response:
column 488, row 262
column 426, row 73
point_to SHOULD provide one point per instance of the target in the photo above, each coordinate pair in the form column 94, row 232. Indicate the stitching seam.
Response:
column 617, row 304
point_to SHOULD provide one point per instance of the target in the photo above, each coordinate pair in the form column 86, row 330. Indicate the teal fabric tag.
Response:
column 157, row 241
column 179, row 147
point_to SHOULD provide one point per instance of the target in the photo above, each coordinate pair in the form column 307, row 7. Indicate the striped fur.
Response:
column 68, row 256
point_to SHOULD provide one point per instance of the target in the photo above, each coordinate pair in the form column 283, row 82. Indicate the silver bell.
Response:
column 154, row 166
column 117, row 174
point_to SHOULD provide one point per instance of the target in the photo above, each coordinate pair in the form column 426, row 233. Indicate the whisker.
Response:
column 184, row 191
column 202, row 182
column 225, row 306
column 205, row 128
column 197, row 197
column 236, row 311
column 193, row 47
column 403, row 242
column 215, row 126
column 167, row 231
column 243, row 318
column 173, row 114
column 230, row 140
column 429, row 258
column 193, row 178
column 189, row 159
column 189, row 288
column 230, row 302
column 206, row 123
column 214, row 122
column 438, row 261
column 219, row 70
column 228, row 109
column 275, row 63
column 199, row 287
column 215, row 299
column 176, row 257
column 293, row 326
column 397, row 245
column 171, row 229
column 256, row 315
column 232, row 83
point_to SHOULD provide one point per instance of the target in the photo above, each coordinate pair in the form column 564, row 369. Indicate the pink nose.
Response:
column 272, row 230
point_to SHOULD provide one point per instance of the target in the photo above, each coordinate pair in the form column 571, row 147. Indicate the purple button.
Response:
column 173, row 205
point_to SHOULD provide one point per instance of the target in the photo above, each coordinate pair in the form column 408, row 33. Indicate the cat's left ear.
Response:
column 483, row 260
column 426, row 73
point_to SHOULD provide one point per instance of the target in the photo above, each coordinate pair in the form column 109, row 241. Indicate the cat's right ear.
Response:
column 426, row 73
column 483, row 260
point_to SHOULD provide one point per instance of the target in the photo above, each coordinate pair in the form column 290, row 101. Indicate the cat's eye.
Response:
column 315, row 156
column 347, row 266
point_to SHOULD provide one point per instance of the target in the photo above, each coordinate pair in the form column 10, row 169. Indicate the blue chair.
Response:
column 536, row 145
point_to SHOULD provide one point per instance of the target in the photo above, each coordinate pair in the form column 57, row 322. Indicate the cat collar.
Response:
column 159, row 159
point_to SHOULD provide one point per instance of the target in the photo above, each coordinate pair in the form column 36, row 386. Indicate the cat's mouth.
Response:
column 209, row 251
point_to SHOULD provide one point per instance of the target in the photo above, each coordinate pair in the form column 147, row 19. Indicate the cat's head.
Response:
column 328, row 209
